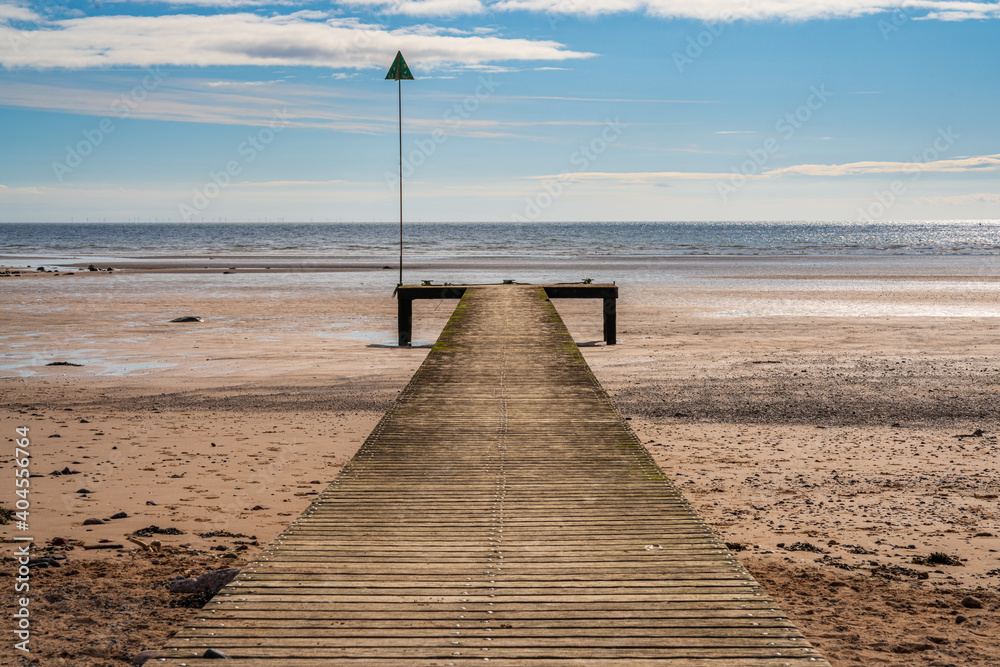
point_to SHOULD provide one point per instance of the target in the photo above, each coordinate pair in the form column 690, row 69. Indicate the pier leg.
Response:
column 610, row 320
column 405, row 323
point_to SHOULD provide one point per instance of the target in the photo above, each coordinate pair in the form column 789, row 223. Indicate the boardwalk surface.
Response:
column 501, row 511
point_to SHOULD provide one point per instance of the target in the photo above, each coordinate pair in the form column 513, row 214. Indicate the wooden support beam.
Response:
column 610, row 320
column 405, row 320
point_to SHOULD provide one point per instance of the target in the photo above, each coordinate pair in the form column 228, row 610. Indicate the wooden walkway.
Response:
column 501, row 511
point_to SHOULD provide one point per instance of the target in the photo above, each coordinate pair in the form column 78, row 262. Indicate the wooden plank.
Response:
column 501, row 509
column 791, row 661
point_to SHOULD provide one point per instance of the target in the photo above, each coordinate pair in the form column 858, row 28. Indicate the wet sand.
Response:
column 818, row 421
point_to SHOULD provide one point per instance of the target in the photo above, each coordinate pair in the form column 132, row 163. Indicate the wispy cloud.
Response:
column 241, row 84
column 761, row 10
column 252, row 103
column 218, row 4
column 298, row 39
column 634, row 177
column 975, row 198
column 980, row 163
column 215, row 102
column 555, row 98
column 420, row 7
column 957, row 165
column 703, row 10
column 11, row 12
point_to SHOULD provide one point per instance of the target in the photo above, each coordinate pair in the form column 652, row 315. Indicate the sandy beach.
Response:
column 836, row 422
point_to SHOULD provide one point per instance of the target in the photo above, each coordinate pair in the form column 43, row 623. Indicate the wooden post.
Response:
column 610, row 320
column 405, row 323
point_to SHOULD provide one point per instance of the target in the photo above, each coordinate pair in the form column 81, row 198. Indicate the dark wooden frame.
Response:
column 407, row 293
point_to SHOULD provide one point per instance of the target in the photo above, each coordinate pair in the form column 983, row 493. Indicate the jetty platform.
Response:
column 502, row 512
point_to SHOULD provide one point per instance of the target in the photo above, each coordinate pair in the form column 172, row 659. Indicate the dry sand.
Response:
column 819, row 415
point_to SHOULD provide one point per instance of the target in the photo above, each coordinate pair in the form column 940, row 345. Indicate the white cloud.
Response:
column 761, row 10
column 635, row 177
column 254, row 103
column 430, row 29
column 248, row 39
column 11, row 12
column 957, row 165
column 975, row 198
column 987, row 11
column 556, row 98
column 218, row 4
column 206, row 102
column 979, row 163
column 240, row 84
column 420, row 7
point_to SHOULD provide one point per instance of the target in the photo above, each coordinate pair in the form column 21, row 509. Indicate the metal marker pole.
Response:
column 399, row 83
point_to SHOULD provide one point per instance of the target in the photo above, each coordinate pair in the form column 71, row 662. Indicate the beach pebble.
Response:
column 150, row 502
column 93, row 522
column 58, row 541
column 119, row 515
column 188, row 318
column 960, row 619
column 213, row 653
column 970, row 602
column 142, row 656
column 209, row 583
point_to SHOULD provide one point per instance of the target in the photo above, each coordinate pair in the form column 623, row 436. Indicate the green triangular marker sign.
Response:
column 399, row 71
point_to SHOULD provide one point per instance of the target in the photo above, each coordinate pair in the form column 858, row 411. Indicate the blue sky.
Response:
column 526, row 110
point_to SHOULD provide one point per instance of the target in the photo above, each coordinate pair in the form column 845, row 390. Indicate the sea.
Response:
column 721, row 269
column 444, row 241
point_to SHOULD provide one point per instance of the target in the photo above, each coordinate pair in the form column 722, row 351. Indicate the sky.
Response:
column 520, row 110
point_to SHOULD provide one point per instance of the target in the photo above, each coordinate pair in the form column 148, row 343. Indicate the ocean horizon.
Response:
column 429, row 241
